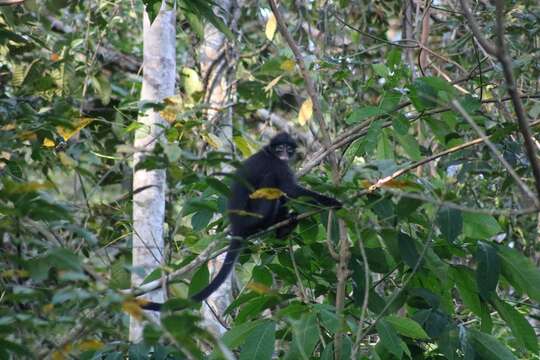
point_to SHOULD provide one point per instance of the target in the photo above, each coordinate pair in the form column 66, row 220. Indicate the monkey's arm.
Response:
column 290, row 187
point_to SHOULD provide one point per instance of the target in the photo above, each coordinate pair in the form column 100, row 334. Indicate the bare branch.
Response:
column 501, row 53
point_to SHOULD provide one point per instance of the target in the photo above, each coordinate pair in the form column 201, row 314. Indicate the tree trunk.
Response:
column 149, row 204
column 218, row 65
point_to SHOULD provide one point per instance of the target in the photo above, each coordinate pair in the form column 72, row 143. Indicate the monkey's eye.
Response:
column 279, row 148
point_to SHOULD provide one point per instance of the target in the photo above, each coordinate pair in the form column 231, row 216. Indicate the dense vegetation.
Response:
column 434, row 256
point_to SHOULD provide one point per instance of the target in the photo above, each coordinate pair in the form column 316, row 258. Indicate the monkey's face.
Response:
column 284, row 152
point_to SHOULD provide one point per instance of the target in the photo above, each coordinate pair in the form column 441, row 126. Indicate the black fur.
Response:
column 248, row 216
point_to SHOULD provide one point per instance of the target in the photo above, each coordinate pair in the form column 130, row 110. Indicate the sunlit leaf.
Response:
column 17, row 188
column 79, row 124
column 245, row 213
column 272, row 83
column 258, row 287
column 243, row 146
column 133, row 307
column 173, row 105
column 91, row 344
column 48, row 143
column 287, row 65
column 306, row 112
column 267, row 194
column 271, row 26
column 191, row 81
column 212, row 140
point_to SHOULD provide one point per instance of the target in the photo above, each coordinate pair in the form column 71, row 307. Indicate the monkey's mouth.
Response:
column 283, row 157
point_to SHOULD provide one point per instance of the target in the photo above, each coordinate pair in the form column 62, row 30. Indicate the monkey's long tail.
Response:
column 232, row 254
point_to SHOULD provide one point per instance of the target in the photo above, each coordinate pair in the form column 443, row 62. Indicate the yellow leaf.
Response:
column 17, row 188
column 68, row 133
column 287, row 65
column 168, row 114
column 267, row 194
column 8, row 127
column 173, row 106
column 245, row 213
column 191, row 81
column 133, row 307
column 213, row 140
column 258, row 288
column 27, row 135
column 271, row 26
column 272, row 83
column 90, row 345
column 48, row 143
column 306, row 112
column 47, row 308
column 58, row 355
column 63, row 353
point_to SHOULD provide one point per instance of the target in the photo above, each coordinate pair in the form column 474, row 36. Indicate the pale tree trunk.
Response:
column 218, row 64
column 149, row 204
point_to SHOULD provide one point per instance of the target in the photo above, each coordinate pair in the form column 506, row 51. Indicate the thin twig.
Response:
column 357, row 343
column 344, row 252
column 496, row 152
column 394, row 296
column 381, row 182
column 501, row 53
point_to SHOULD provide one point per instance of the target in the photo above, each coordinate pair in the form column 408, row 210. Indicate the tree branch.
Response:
column 500, row 52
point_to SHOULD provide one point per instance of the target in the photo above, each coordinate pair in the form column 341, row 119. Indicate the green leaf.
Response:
column 389, row 338
column 522, row 330
column 199, row 280
column 520, row 271
column 260, row 342
column 429, row 92
column 410, row 145
column 385, row 150
column 237, row 335
column 219, row 186
column 380, row 69
column 363, row 113
column 243, row 146
column 465, row 282
column 480, row 226
column 201, row 219
column 450, row 221
column 305, row 337
column 488, row 347
column 204, row 9
column 487, row 270
column 371, row 139
column 407, row 249
column 407, row 327
column 65, row 259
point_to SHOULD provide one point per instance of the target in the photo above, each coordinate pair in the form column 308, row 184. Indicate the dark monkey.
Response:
column 267, row 168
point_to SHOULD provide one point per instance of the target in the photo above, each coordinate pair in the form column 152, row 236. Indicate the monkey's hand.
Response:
column 283, row 231
column 333, row 203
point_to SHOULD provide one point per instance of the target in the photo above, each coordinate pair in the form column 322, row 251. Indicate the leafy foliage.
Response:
column 443, row 259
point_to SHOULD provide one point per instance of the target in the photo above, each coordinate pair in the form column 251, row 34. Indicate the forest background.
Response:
column 117, row 142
